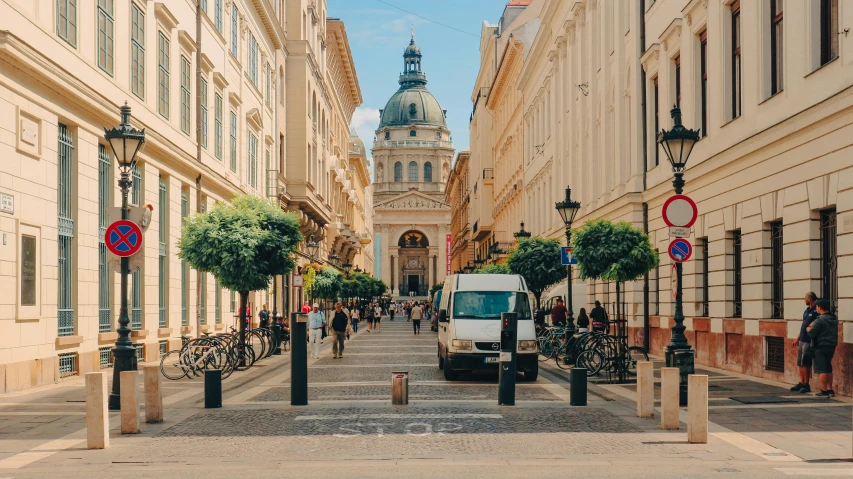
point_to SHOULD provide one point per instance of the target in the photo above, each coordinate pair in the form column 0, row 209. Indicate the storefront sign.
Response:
column 447, row 253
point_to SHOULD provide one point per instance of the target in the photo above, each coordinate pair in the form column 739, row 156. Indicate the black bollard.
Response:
column 298, row 360
column 507, row 362
column 276, row 333
column 577, row 393
column 212, row 388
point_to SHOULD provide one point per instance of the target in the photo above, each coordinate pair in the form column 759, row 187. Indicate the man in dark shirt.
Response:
column 340, row 329
column 804, row 356
column 600, row 321
column 559, row 313
column 824, row 336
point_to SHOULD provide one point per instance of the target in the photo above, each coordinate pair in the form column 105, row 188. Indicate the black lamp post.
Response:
column 678, row 143
column 357, row 269
column 347, row 266
column 313, row 247
column 125, row 142
column 521, row 234
column 568, row 209
column 334, row 259
column 468, row 268
column 479, row 261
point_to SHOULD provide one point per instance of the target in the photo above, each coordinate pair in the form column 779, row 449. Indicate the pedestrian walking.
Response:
column 559, row 314
column 368, row 314
column 824, row 337
column 408, row 312
column 306, row 308
column 315, row 329
column 805, row 356
column 417, row 315
column 354, row 319
column 583, row 321
column 377, row 317
column 600, row 321
column 340, row 328
column 391, row 310
column 264, row 317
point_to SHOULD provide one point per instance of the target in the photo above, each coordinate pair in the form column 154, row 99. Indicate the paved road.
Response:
column 350, row 429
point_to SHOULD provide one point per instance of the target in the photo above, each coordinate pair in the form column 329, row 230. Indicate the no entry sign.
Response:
column 123, row 238
column 680, row 250
column 680, row 211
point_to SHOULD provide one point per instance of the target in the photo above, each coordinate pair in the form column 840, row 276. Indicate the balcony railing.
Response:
column 414, row 144
column 488, row 173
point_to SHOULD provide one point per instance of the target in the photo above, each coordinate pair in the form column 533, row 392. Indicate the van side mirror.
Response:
column 442, row 315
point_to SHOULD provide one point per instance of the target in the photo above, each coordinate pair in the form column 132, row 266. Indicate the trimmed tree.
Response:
column 434, row 289
column 501, row 268
column 243, row 245
column 537, row 260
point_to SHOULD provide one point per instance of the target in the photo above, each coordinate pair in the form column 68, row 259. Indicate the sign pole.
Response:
column 124, row 354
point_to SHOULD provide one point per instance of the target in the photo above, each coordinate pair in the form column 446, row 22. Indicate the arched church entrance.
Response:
column 414, row 264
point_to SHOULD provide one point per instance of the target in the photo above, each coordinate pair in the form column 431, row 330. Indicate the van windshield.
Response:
column 490, row 304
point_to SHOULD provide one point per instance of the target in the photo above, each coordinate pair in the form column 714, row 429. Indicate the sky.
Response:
column 378, row 33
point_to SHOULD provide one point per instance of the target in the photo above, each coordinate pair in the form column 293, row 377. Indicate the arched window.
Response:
column 398, row 171
column 413, row 133
column 427, row 171
column 413, row 171
column 387, row 135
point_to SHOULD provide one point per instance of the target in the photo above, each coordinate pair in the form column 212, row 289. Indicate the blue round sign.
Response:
column 680, row 250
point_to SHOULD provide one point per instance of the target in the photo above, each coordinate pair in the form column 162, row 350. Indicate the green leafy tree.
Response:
column 500, row 268
column 435, row 288
column 243, row 245
column 328, row 283
column 538, row 261
column 613, row 252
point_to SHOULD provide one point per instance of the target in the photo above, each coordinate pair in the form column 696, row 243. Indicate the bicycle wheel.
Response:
column 592, row 360
column 635, row 354
column 563, row 359
column 172, row 367
column 547, row 349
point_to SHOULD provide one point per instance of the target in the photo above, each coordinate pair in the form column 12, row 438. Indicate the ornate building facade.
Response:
column 412, row 154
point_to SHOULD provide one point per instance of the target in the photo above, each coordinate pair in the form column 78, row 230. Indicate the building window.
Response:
column 776, row 46
column 66, row 21
column 185, row 283
column 105, row 357
column 203, row 4
column 704, row 305
column 217, row 15
column 217, row 302
column 737, row 270
column 185, row 95
column 413, row 133
column 137, row 51
column 253, row 59
column 829, row 256
column 163, row 75
column 387, row 135
column 106, row 29
column 135, row 186
column 413, row 171
column 233, row 142
column 29, row 279
column 235, row 42
column 398, row 171
column 736, row 60
column 777, row 278
column 677, row 63
column 67, row 365
column 202, row 91
column 656, row 113
column 774, row 354
column 218, row 119
column 105, row 188
column 428, row 172
column 65, row 202
column 203, row 300
column 136, row 300
column 828, row 31
column 703, row 81
column 253, row 160
column 269, row 84
column 163, row 259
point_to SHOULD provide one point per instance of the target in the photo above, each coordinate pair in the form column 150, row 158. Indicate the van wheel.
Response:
column 449, row 373
column 440, row 361
column 531, row 376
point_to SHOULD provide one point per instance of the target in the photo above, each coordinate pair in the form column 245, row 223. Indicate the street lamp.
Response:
column 678, row 143
column 568, row 209
column 521, row 234
column 313, row 247
column 334, row 259
column 479, row 261
column 347, row 266
column 468, row 268
column 357, row 269
column 125, row 142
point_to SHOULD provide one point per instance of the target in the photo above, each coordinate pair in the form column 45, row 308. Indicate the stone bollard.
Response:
column 645, row 389
column 697, row 409
column 97, row 413
column 670, row 379
column 153, row 394
column 130, row 402
column 399, row 388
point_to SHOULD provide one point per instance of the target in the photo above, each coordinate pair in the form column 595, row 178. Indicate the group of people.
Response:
column 816, row 345
column 597, row 318
column 344, row 322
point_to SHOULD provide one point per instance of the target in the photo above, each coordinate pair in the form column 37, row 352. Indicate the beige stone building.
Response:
column 215, row 93
column 767, row 83
column 458, row 196
column 412, row 155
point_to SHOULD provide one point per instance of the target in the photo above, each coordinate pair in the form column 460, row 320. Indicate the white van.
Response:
column 469, row 327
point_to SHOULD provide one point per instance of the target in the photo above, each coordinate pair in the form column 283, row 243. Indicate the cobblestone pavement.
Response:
column 449, row 429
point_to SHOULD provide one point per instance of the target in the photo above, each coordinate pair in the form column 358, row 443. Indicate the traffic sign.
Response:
column 123, row 238
column 680, row 250
column 674, row 278
column 298, row 281
column 567, row 256
column 680, row 210
column 679, row 232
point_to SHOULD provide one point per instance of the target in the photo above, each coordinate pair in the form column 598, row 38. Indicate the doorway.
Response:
column 413, row 283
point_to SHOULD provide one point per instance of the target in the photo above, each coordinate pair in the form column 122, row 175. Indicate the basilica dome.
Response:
column 412, row 103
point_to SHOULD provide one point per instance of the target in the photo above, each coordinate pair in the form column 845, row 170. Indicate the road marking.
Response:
column 398, row 416
column 756, row 447
column 38, row 413
column 807, row 471
column 177, row 397
column 44, row 450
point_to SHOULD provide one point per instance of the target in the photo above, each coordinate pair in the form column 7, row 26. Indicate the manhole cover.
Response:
column 763, row 400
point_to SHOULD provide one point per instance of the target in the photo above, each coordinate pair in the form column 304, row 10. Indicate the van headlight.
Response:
column 527, row 345
column 461, row 344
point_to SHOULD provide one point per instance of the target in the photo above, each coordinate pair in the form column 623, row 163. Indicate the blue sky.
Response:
column 378, row 34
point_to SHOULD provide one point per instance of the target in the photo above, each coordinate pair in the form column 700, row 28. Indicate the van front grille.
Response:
column 488, row 345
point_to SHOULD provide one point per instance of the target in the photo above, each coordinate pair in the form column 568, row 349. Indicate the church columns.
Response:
column 442, row 254
column 384, row 259
column 431, row 270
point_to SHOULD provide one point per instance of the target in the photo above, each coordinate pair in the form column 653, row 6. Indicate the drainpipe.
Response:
column 198, row 70
column 646, row 328
column 641, row 49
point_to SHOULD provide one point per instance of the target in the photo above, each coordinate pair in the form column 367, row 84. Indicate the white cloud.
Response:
column 365, row 120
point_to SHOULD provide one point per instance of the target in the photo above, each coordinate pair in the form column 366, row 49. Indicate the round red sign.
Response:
column 123, row 238
column 680, row 211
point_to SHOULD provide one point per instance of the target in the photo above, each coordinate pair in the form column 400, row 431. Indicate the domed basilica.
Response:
column 412, row 155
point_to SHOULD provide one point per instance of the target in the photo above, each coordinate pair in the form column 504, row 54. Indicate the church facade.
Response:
column 412, row 155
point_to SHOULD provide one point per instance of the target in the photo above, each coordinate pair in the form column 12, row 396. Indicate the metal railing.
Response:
column 414, row 144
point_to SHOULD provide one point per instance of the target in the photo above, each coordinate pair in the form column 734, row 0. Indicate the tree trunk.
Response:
column 538, row 297
column 244, row 302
